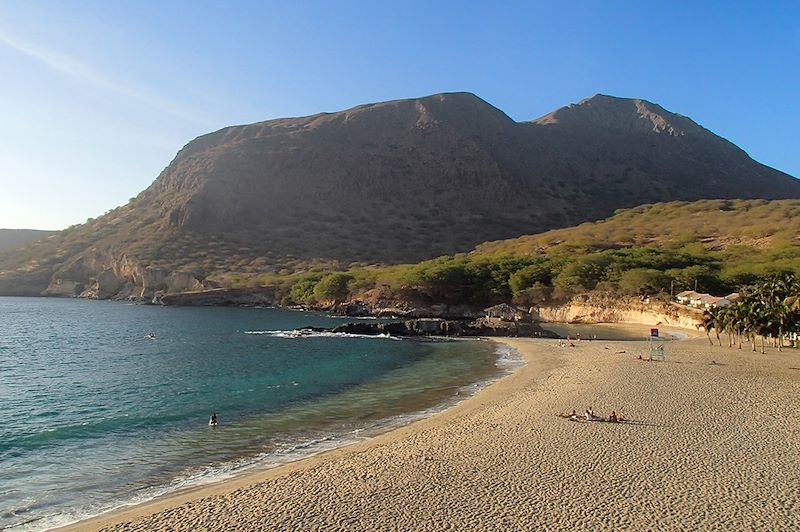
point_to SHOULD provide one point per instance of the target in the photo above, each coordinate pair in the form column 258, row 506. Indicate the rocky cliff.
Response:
column 606, row 309
column 389, row 182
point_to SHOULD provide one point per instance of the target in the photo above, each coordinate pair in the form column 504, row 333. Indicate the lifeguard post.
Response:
column 656, row 346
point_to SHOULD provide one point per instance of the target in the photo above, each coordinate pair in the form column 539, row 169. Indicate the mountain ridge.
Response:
column 388, row 182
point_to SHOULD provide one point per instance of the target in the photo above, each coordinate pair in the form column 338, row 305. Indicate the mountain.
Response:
column 391, row 182
column 14, row 238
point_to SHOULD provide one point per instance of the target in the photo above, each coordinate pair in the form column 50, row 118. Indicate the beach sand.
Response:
column 713, row 446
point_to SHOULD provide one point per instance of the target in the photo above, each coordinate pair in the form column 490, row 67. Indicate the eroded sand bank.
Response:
column 714, row 446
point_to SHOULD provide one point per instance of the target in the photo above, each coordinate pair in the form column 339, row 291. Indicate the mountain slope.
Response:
column 390, row 182
column 14, row 238
column 710, row 225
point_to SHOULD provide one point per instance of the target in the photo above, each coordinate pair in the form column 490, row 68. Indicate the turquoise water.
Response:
column 96, row 414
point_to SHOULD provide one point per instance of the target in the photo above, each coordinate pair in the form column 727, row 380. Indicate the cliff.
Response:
column 606, row 309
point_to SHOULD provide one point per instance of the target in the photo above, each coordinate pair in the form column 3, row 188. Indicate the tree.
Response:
column 533, row 274
column 303, row 290
column 332, row 287
column 642, row 281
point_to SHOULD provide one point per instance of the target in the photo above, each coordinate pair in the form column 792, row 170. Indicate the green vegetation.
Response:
column 767, row 310
column 711, row 246
column 482, row 280
column 715, row 246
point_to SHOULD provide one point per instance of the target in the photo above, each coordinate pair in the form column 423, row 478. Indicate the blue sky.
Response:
column 97, row 97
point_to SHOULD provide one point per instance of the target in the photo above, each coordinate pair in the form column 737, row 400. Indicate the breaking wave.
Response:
column 303, row 333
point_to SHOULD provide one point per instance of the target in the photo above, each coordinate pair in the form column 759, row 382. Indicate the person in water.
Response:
column 213, row 421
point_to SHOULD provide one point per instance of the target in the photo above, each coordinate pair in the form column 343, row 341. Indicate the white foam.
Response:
column 302, row 333
column 508, row 358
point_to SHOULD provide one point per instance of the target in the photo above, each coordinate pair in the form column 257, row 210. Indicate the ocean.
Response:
column 97, row 414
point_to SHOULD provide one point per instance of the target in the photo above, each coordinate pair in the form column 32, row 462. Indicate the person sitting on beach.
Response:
column 613, row 417
column 590, row 415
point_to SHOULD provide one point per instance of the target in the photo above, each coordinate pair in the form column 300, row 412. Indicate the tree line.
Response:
column 768, row 310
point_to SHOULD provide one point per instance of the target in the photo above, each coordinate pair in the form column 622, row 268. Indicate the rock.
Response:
column 371, row 329
column 107, row 284
column 64, row 288
column 441, row 327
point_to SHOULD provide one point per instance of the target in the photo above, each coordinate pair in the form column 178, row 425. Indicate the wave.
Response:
column 508, row 358
column 304, row 333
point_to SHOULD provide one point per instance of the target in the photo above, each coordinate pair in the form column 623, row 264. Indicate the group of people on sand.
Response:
column 569, row 343
column 589, row 415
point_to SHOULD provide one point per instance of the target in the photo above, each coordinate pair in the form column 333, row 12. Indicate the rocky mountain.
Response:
column 390, row 182
column 15, row 238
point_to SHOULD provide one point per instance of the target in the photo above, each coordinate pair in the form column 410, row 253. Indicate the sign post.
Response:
column 656, row 346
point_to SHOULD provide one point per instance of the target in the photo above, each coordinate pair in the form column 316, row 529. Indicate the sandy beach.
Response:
column 712, row 446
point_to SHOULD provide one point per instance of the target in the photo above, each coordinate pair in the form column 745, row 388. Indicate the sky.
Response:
column 97, row 97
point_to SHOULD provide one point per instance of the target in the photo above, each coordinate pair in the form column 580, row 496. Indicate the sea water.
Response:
column 97, row 412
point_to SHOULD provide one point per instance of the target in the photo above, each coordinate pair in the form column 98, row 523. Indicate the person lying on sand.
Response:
column 572, row 416
column 616, row 418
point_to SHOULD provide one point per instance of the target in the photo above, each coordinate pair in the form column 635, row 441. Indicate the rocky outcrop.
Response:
column 604, row 309
column 64, row 288
column 100, row 276
column 442, row 327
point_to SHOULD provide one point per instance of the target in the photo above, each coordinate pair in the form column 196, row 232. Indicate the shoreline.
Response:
column 505, row 366
column 501, row 458
column 246, row 478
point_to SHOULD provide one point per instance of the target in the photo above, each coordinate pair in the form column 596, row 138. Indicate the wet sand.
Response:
column 712, row 446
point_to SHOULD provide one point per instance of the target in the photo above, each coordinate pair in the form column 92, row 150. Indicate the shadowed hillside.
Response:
column 14, row 238
column 391, row 182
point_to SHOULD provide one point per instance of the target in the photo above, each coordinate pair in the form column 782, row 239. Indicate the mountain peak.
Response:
column 388, row 182
column 605, row 111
